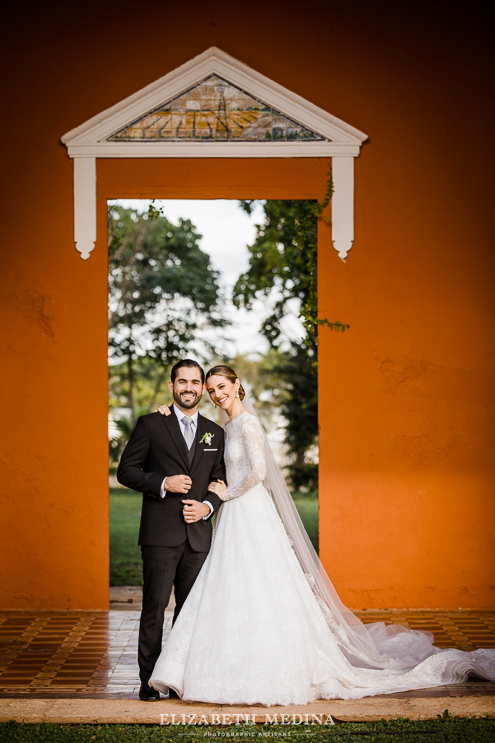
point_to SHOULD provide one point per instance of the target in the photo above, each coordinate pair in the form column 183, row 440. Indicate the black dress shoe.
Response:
column 147, row 694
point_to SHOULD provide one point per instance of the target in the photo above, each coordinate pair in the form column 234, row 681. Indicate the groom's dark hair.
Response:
column 186, row 362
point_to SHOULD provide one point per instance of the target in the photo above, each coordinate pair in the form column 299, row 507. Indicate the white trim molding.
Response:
column 343, row 205
column 340, row 141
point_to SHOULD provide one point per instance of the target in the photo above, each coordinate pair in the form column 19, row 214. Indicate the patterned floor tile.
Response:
column 85, row 653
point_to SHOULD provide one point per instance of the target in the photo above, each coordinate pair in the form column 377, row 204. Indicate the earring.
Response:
column 237, row 393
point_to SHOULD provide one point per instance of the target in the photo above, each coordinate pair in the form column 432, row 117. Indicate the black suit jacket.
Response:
column 156, row 449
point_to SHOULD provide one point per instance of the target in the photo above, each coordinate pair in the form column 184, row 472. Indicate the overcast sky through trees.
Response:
column 226, row 231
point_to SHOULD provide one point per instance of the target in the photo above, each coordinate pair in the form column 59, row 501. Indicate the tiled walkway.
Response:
column 93, row 654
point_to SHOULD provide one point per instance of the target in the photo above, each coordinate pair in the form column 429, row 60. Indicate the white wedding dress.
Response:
column 252, row 630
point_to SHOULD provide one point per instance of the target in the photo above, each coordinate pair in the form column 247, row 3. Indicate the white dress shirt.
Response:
column 194, row 424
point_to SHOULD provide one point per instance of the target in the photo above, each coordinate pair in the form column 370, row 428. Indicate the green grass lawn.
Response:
column 125, row 554
column 125, row 512
column 307, row 506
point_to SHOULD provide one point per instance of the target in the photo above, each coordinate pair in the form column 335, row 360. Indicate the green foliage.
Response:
column 300, row 409
column 162, row 291
column 285, row 255
column 116, row 445
column 264, row 379
column 153, row 212
column 150, row 384
column 334, row 325
column 149, row 389
column 445, row 716
column 307, row 224
column 304, row 476
column 455, row 730
column 281, row 257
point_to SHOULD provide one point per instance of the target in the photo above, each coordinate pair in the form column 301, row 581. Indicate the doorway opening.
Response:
column 222, row 281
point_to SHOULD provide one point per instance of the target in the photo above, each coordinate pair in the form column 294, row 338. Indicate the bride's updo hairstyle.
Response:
column 228, row 373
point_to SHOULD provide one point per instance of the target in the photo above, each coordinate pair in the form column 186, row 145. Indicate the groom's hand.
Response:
column 194, row 511
column 178, row 484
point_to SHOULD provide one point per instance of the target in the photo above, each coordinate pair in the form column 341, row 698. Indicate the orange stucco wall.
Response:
column 406, row 395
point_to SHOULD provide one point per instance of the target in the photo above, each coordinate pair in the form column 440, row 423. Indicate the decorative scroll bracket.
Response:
column 85, row 205
column 343, row 205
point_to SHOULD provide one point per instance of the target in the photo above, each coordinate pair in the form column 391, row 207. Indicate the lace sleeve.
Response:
column 253, row 440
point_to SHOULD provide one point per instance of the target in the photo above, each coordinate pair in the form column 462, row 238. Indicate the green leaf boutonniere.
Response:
column 207, row 439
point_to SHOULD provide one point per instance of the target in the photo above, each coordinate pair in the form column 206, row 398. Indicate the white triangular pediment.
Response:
column 211, row 106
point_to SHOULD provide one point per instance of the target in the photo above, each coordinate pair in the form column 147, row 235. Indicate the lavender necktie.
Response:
column 188, row 432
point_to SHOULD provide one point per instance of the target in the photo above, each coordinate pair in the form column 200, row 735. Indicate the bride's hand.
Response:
column 164, row 410
column 218, row 488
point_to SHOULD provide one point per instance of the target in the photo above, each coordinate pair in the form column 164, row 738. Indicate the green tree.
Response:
column 282, row 263
column 147, row 389
column 163, row 295
column 282, row 257
column 300, row 409
column 262, row 381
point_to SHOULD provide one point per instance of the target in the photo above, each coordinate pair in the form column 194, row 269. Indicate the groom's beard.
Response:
column 189, row 402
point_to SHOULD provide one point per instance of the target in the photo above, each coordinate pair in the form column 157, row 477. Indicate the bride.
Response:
column 263, row 623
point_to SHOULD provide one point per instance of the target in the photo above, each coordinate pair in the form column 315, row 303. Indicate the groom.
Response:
column 171, row 460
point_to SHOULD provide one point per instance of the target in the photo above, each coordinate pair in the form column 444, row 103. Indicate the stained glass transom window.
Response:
column 214, row 110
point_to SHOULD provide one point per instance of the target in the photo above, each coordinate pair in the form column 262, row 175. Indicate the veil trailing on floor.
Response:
column 376, row 645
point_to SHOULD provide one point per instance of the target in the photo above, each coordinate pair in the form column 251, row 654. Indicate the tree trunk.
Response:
column 300, row 457
column 158, row 384
column 130, row 375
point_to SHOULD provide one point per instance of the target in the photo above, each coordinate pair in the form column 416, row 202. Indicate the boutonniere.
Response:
column 207, row 439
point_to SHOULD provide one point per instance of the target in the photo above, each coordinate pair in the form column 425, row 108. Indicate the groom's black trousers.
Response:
column 163, row 567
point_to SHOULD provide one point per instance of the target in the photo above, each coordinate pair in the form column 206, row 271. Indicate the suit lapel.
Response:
column 173, row 427
column 202, row 429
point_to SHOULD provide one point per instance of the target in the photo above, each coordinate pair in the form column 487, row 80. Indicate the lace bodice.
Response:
column 244, row 455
